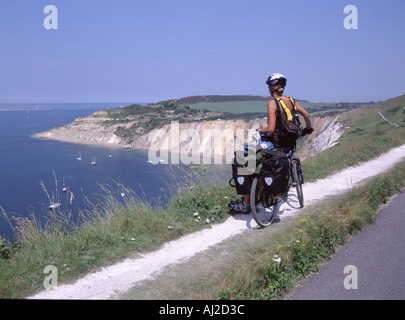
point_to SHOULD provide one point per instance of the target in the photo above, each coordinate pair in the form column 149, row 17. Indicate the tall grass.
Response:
column 121, row 224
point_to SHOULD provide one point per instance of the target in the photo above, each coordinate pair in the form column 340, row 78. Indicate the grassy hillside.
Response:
column 253, row 106
column 257, row 104
column 367, row 135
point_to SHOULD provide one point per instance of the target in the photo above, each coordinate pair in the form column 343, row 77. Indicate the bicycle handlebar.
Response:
column 269, row 134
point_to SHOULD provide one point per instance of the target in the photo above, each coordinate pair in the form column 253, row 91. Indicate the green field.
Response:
column 235, row 107
column 254, row 106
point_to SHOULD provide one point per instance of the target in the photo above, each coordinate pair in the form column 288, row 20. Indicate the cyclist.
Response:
column 276, row 83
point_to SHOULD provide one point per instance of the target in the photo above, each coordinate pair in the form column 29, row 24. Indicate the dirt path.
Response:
column 121, row 277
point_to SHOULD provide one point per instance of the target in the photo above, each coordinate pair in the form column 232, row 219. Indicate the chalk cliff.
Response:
column 208, row 138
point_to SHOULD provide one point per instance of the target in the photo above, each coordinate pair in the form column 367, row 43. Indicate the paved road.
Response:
column 377, row 255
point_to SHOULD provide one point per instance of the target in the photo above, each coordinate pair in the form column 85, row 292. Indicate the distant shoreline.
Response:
column 25, row 109
column 85, row 142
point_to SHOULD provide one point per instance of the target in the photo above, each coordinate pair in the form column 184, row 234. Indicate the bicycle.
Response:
column 265, row 207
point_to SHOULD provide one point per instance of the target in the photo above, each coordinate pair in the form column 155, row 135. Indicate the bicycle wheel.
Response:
column 298, row 183
column 263, row 216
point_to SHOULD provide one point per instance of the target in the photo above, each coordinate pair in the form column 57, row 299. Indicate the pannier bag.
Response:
column 276, row 174
column 242, row 179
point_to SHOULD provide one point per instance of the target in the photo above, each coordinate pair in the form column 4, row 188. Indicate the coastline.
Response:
column 79, row 141
column 193, row 160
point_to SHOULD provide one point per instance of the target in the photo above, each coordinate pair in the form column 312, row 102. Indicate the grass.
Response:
column 260, row 106
column 109, row 231
column 366, row 136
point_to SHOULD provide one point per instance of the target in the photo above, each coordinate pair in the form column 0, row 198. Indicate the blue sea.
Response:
column 26, row 162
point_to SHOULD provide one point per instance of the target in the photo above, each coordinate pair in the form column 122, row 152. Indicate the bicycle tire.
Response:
column 263, row 216
column 298, row 183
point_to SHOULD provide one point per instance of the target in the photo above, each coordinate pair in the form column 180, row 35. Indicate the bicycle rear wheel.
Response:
column 262, row 213
column 298, row 183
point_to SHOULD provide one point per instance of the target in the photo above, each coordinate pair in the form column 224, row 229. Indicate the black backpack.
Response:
column 290, row 126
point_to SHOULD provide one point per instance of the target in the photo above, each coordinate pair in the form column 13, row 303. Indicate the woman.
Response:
column 276, row 83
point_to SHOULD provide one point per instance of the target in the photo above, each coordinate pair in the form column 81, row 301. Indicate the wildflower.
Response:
column 297, row 241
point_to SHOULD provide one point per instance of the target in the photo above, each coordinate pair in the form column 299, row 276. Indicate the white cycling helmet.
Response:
column 277, row 80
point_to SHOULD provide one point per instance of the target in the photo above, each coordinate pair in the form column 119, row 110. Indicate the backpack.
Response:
column 290, row 126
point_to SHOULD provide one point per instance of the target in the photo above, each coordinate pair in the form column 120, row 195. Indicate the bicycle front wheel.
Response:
column 298, row 184
column 262, row 214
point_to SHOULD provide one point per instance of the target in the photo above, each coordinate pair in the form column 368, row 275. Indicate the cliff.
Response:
column 215, row 138
column 93, row 129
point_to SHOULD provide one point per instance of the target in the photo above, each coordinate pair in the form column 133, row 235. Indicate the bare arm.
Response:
column 271, row 119
column 305, row 114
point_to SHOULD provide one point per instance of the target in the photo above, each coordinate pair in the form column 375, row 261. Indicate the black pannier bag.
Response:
column 276, row 174
column 242, row 182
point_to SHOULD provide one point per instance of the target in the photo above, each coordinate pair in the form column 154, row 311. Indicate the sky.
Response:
column 152, row 50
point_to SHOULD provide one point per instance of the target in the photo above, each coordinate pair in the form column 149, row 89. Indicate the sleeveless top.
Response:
column 275, row 138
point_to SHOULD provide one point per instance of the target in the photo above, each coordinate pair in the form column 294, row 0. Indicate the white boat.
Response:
column 64, row 189
column 54, row 205
column 79, row 157
column 94, row 161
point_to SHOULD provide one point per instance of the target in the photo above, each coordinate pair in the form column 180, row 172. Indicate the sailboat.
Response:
column 80, row 156
column 64, row 189
column 94, row 161
column 54, row 205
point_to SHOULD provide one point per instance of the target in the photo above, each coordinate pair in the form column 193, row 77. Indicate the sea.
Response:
column 33, row 172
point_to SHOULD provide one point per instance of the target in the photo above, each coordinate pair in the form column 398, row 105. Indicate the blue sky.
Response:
column 151, row 50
